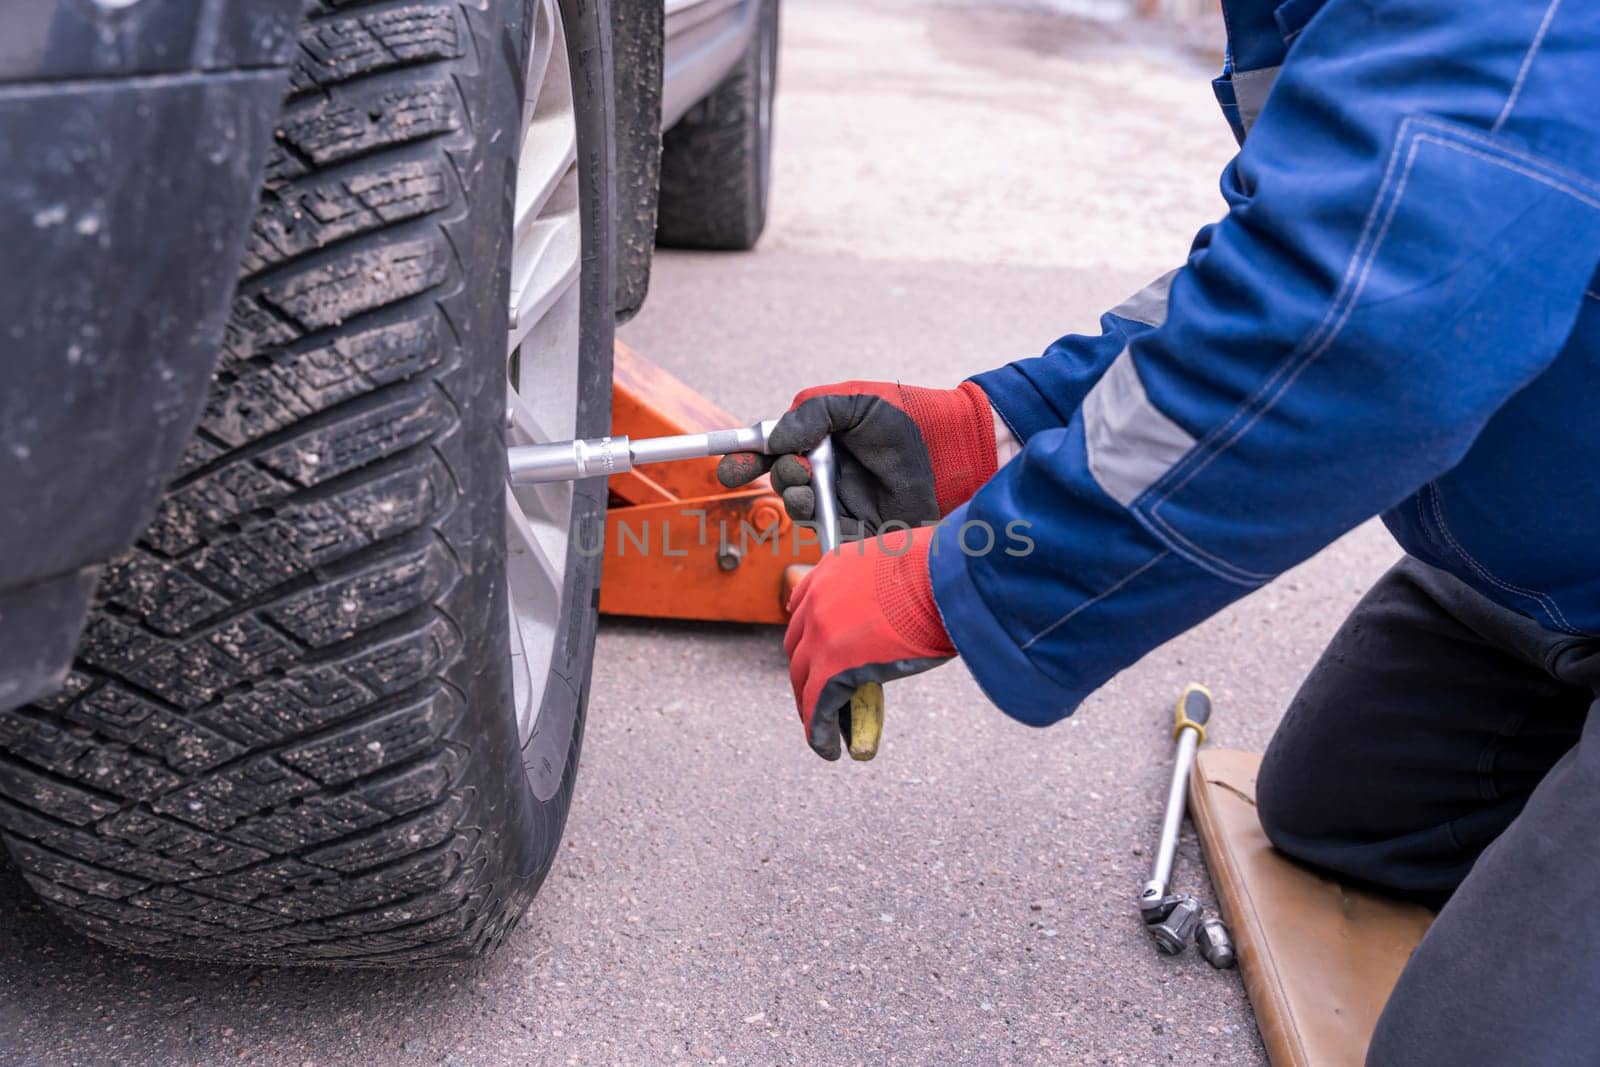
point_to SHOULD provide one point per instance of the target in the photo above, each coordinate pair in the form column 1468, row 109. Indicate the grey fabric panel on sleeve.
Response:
column 1130, row 443
column 1006, row 445
column 1148, row 305
column 1250, row 91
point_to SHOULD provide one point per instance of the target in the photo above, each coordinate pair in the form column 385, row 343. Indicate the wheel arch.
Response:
column 637, row 39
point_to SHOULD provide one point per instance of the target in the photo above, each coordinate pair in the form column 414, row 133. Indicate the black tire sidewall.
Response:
column 587, row 26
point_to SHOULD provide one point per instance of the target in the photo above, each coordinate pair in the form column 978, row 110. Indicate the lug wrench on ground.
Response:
column 1174, row 918
column 565, row 461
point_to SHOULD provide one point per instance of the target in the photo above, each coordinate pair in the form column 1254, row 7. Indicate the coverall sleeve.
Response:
column 1413, row 222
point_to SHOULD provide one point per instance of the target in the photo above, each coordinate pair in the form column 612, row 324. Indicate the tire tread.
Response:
column 262, row 753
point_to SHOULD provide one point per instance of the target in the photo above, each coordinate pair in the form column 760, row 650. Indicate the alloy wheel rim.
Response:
column 542, row 361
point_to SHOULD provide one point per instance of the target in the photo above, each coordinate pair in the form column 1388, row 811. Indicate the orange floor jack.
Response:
column 678, row 544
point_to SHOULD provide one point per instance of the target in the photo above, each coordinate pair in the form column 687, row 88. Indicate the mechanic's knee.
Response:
column 1293, row 815
column 1311, row 817
column 1304, row 814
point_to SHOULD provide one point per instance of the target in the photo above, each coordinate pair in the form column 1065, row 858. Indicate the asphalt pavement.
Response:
column 955, row 186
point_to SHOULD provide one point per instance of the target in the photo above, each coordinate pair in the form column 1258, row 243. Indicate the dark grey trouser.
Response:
column 1443, row 749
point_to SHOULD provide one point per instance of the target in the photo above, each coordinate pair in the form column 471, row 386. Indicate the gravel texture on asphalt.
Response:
column 955, row 186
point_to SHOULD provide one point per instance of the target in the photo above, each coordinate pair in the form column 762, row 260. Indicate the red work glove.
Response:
column 906, row 454
column 865, row 614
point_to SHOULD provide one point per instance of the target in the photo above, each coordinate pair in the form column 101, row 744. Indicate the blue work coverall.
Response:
column 1398, row 315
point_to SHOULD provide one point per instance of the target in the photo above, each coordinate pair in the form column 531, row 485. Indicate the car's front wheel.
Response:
column 329, row 708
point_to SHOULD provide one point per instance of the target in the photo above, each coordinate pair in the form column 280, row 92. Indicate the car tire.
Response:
column 290, row 733
column 716, row 162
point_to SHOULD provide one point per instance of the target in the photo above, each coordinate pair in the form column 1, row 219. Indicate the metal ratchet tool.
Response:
column 862, row 721
column 1174, row 918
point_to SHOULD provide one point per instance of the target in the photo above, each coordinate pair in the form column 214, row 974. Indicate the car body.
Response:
column 704, row 39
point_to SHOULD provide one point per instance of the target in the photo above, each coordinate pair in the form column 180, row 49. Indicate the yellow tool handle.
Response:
column 1192, row 712
column 866, row 721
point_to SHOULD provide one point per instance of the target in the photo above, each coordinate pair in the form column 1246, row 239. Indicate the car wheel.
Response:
column 329, row 708
column 716, row 163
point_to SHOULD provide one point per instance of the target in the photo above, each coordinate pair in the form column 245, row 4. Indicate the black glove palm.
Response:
column 905, row 454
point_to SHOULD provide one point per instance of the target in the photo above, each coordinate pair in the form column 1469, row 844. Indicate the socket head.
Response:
column 1215, row 943
column 1172, row 933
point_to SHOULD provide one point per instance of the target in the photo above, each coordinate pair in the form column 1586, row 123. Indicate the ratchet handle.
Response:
column 1192, row 711
column 864, row 730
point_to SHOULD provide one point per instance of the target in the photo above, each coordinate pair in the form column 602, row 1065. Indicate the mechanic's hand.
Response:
column 864, row 614
column 905, row 453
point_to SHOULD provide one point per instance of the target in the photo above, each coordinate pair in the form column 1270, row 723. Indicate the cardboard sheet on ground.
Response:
column 1318, row 959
